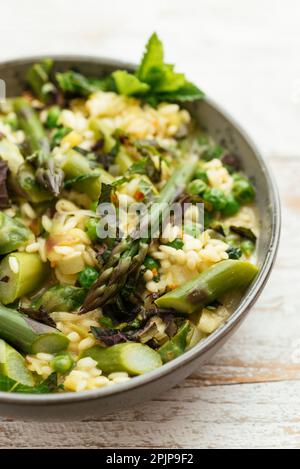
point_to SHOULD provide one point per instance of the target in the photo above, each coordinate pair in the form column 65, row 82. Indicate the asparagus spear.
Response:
column 20, row 274
column 128, row 256
column 12, row 365
column 39, row 80
column 135, row 359
column 13, row 233
column 47, row 174
column 30, row 123
column 176, row 346
column 209, row 286
column 60, row 298
column 76, row 167
column 28, row 335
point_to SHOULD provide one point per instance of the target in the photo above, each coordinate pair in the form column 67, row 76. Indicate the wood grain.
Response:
column 246, row 55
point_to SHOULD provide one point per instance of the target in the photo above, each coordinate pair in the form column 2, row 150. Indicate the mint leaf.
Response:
column 188, row 92
column 169, row 80
column 152, row 62
column 165, row 83
column 128, row 84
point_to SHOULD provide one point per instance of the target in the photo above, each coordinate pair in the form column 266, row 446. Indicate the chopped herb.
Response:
column 244, row 232
column 4, row 198
column 176, row 244
column 234, row 253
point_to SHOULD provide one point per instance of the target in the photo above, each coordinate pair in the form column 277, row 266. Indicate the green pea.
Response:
column 196, row 187
column 176, row 244
column 243, row 190
column 151, row 263
column 62, row 363
column 216, row 198
column 247, row 247
column 53, row 117
column 91, row 229
column 232, row 206
column 212, row 153
column 201, row 174
column 87, row 277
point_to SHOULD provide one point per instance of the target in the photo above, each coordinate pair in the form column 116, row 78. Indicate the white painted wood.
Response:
column 245, row 55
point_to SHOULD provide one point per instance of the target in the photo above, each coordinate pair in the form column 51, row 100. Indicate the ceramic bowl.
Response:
column 87, row 404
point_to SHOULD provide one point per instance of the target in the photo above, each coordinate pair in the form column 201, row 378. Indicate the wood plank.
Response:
column 239, row 416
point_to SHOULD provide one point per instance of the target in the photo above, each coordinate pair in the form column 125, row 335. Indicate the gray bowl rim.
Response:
column 207, row 344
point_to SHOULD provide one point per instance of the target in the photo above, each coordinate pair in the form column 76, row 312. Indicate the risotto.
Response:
column 127, row 233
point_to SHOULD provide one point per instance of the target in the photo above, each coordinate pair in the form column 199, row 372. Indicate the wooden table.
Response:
column 246, row 55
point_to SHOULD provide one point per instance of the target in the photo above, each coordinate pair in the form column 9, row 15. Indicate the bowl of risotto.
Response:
column 139, row 225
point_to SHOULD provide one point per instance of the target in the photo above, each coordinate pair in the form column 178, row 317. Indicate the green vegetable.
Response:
column 128, row 256
column 91, row 228
column 243, row 232
column 13, row 233
column 29, row 336
column 75, row 84
column 176, row 244
column 243, row 190
column 61, row 298
column 164, row 82
column 197, row 187
column 176, row 346
column 62, row 363
column 31, row 272
column 201, row 174
column 123, row 160
column 26, row 179
column 30, row 123
column 212, row 153
column 151, row 263
column 77, row 166
column 45, row 387
column 133, row 358
column 154, row 80
column 58, row 135
column 209, row 286
column 38, row 79
column 10, row 153
column 234, row 252
column 216, row 197
column 232, row 206
column 128, row 84
column 53, row 116
column 247, row 247
column 12, row 365
column 87, row 277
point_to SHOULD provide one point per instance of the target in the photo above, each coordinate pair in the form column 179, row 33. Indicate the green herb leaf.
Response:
column 75, row 84
column 165, row 83
column 152, row 61
column 145, row 166
column 128, row 84
column 83, row 177
column 47, row 386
